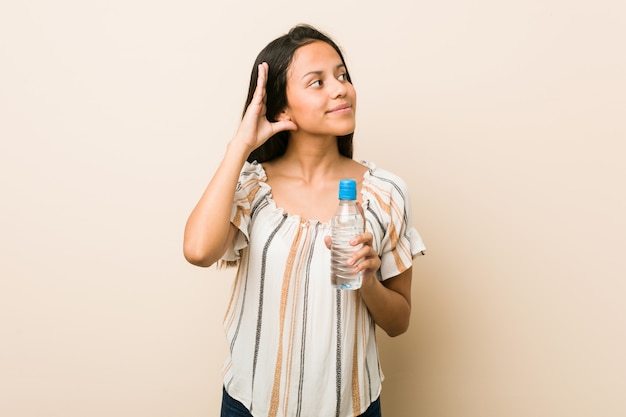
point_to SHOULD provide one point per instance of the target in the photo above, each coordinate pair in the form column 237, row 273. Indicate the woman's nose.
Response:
column 338, row 89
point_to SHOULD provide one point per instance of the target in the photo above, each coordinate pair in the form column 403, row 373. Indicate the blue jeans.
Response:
column 233, row 408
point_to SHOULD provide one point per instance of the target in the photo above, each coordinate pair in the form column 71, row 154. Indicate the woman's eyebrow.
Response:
column 320, row 72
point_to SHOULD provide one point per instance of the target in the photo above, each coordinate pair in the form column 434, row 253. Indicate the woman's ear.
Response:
column 284, row 116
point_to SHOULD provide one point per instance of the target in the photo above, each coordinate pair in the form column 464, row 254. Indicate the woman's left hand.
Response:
column 365, row 259
column 388, row 301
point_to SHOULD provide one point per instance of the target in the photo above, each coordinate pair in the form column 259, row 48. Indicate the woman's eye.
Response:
column 342, row 77
column 316, row 83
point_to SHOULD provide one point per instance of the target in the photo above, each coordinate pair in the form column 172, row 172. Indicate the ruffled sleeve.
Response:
column 388, row 214
column 251, row 179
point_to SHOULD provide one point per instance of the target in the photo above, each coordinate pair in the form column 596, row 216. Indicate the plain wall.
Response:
column 506, row 119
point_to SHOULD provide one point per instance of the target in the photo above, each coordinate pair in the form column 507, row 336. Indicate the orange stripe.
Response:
column 377, row 195
column 239, row 213
column 227, row 369
column 365, row 321
column 392, row 232
column 243, row 203
column 393, row 236
column 283, row 307
column 253, row 192
column 235, row 294
column 294, row 309
column 251, row 180
column 356, row 395
column 399, row 214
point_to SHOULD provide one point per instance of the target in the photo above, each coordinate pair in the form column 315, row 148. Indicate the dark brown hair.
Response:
column 279, row 54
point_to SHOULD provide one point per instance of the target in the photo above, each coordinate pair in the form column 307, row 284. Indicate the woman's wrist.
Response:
column 238, row 150
column 369, row 282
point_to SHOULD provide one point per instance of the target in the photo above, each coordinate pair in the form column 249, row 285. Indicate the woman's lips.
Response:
column 340, row 109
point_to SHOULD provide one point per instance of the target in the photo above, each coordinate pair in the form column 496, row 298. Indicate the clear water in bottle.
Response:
column 346, row 223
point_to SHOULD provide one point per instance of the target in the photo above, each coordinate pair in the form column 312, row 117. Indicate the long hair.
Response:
column 279, row 54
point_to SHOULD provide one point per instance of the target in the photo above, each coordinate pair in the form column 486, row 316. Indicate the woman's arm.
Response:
column 208, row 231
column 389, row 301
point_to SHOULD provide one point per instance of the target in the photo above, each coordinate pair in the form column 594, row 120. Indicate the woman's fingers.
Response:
column 282, row 125
column 261, row 81
column 365, row 238
column 366, row 257
column 256, row 112
column 258, row 99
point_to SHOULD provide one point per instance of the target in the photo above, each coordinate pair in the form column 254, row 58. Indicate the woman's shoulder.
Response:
column 383, row 179
column 384, row 192
column 252, row 179
column 252, row 170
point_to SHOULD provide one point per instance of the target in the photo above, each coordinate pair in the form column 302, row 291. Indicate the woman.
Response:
column 298, row 347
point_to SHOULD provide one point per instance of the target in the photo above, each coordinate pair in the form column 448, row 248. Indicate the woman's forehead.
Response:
column 316, row 56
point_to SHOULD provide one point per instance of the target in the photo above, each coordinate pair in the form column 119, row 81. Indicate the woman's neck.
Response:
column 311, row 158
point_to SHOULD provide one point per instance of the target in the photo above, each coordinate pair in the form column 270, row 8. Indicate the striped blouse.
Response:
column 298, row 347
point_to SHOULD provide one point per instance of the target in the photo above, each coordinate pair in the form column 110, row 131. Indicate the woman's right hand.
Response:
column 255, row 129
column 214, row 208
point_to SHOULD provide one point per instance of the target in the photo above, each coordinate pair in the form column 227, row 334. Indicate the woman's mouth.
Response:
column 341, row 109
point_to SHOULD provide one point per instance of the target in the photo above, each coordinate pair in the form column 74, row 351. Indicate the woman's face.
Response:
column 320, row 99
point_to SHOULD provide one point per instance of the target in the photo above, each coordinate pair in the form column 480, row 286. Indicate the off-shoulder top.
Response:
column 299, row 347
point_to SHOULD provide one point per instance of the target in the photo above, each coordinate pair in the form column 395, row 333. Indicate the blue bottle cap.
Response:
column 347, row 189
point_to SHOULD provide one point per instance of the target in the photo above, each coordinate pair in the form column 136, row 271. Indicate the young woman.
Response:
column 298, row 347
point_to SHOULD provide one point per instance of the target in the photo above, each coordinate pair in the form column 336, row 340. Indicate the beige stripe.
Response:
column 393, row 236
column 234, row 295
column 226, row 369
column 397, row 246
column 243, row 204
column 251, row 180
column 247, row 200
column 365, row 322
column 399, row 214
column 274, row 402
column 407, row 255
column 294, row 318
column 239, row 213
column 377, row 195
column 356, row 395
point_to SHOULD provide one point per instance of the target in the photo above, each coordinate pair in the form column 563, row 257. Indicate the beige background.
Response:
column 506, row 118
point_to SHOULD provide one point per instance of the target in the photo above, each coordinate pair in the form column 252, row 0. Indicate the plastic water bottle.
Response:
column 346, row 223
